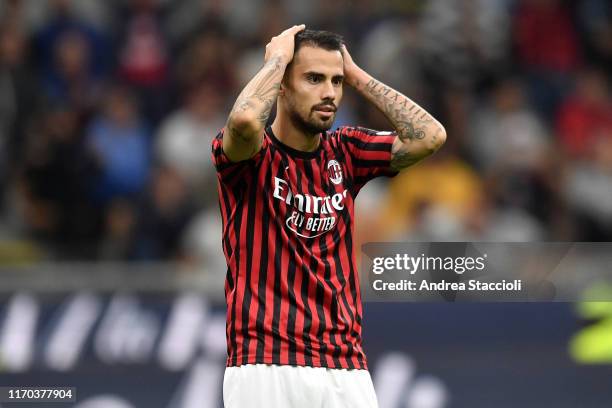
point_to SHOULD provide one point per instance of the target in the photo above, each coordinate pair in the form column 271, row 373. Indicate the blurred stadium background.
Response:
column 111, row 268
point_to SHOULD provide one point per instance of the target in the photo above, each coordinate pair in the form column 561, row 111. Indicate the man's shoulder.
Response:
column 351, row 134
column 356, row 131
column 343, row 135
column 341, row 132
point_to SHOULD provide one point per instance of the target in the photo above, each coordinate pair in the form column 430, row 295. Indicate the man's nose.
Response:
column 328, row 92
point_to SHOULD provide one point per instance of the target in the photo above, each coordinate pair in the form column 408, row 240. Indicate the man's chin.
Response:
column 314, row 125
column 326, row 125
column 323, row 125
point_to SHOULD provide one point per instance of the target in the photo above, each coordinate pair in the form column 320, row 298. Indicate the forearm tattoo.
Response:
column 260, row 94
column 409, row 120
column 416, row 129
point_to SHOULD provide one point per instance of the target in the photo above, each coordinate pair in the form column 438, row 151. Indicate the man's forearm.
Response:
column 253, row 105
column 244, row 128
column 411, row 122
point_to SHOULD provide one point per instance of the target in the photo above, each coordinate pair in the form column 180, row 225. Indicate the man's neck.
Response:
column 286, row 132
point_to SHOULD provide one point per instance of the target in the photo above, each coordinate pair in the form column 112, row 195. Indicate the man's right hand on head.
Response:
column 283, row 44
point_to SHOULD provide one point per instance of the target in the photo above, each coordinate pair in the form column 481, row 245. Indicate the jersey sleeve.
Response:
column 370, row 152
column 229, row 172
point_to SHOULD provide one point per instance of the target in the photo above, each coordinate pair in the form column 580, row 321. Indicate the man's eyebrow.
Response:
column 315, row 73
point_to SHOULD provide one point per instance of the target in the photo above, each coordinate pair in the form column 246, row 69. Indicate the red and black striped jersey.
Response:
column 292, row 285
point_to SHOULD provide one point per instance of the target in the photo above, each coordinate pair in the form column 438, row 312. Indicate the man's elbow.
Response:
column 243, row 124
column 437, row 138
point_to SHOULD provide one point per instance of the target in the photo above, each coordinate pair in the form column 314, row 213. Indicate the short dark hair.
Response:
column 320, row 39
column 315, row 38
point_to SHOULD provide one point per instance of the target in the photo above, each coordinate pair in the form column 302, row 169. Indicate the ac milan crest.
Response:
column 334, row 171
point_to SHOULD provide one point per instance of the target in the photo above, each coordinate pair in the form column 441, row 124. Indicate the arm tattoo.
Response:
column 405, row 154
column 418, row 134
column 410, row 122
column 251, row 111
column 243, row 105
column 402, row 159
column 260, row 94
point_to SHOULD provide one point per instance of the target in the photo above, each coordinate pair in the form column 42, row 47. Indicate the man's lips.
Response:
column 325, row 109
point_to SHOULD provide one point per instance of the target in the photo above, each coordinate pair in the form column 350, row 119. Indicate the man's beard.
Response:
column 310, row 126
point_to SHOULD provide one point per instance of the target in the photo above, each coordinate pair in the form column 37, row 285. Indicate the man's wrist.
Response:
column 281, row 57
column 357, row 78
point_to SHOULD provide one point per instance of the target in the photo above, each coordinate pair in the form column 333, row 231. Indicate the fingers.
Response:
column 345, row 54
column 299, row 28
column 293, row 30
column 290, row 31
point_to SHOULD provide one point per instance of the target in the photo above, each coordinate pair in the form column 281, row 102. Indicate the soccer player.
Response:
column 286, row 193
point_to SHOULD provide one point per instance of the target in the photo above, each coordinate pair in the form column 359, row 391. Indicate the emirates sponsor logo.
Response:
column 311, row 216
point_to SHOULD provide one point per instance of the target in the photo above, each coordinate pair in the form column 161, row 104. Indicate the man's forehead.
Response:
column 319, row 60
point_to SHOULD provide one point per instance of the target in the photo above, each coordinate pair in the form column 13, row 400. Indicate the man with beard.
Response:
column 286, row 193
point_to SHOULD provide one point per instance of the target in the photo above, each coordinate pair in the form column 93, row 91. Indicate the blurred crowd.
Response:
column 108, row 109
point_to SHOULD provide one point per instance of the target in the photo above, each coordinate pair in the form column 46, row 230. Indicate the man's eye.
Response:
column 314, row 79
column 337, row 81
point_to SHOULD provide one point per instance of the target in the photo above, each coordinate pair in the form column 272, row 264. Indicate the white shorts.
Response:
column 281, row 386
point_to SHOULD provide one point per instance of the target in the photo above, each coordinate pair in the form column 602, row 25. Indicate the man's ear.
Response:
column 284, row 85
